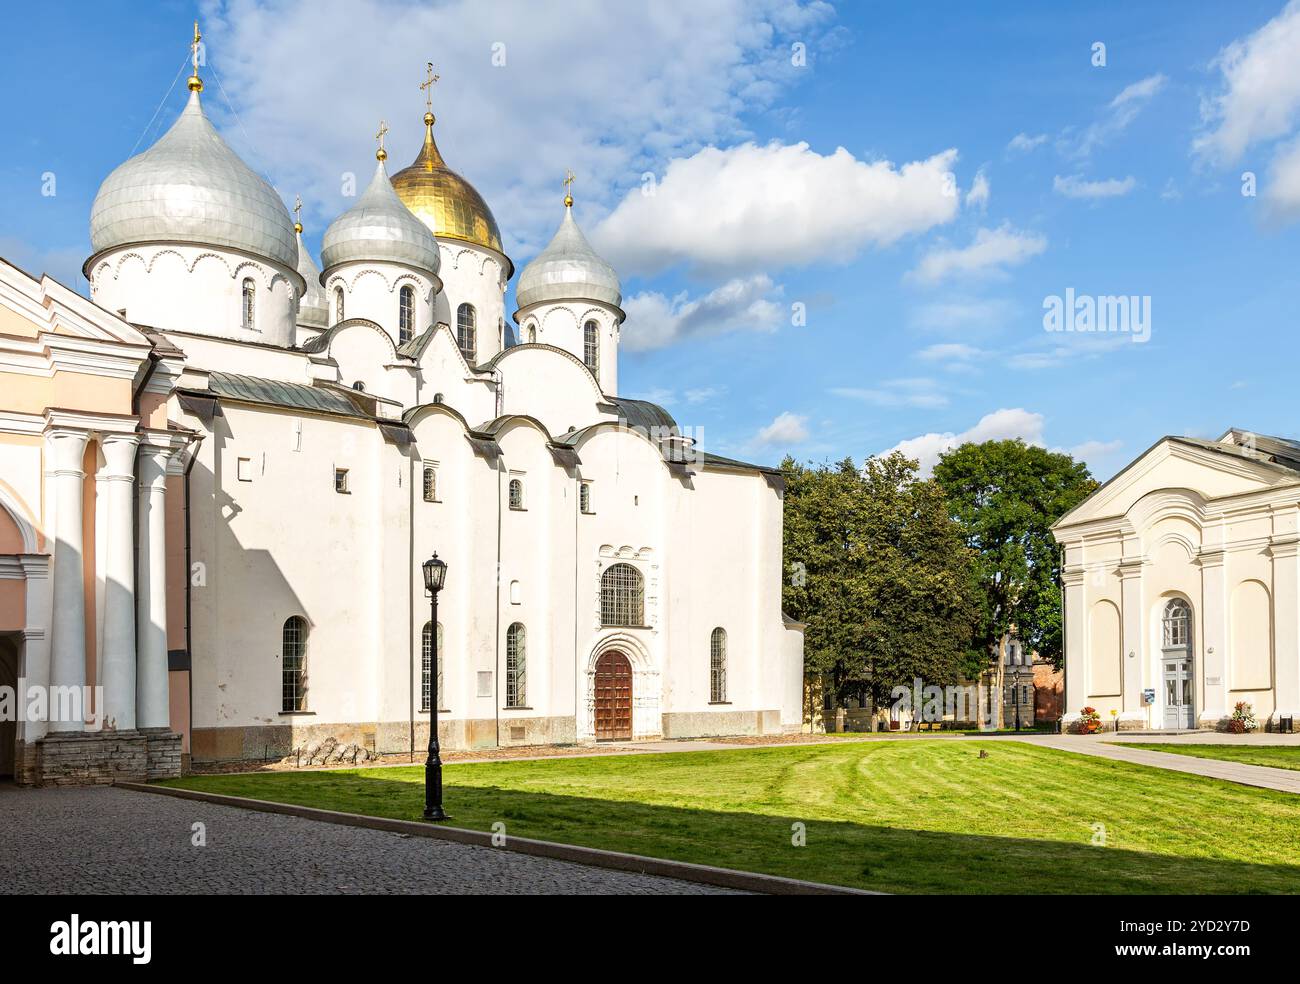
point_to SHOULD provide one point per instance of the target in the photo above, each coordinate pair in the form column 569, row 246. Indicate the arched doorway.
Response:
column 613, row 697
column 1176, row 665
column 8, row 729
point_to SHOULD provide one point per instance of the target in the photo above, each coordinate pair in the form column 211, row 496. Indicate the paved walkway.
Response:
column 99, row 840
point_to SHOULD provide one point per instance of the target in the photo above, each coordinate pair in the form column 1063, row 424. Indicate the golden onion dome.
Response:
column 444, row 201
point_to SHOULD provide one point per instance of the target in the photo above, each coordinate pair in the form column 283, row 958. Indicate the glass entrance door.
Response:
column 1178, row 693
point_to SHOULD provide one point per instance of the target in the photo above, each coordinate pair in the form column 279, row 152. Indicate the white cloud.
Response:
column 1089, row 450
column 1260, row 99
column 992, row 251
column 785, row 430
column 978, row 196
column 655, row 320
column 644, row 88
column 917, row 392
column 1282, row 189
column 753, row 207
column 997, row 426
column 1120, row 113
column 1023, row 143
column 961, row 313
column 1076, row 187
column 949, row 352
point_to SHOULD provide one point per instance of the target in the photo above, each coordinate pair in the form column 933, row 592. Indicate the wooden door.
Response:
column 613, row 698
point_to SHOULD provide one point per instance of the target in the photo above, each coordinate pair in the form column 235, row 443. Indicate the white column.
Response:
column 1134, row 652
column 1285, row 549
column 1214, row 645
column 152, row 710
column 119, row 582
column 68, row 642
column 1076, row 656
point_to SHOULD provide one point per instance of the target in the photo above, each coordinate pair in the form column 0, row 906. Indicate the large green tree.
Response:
column 1006, row 495
column 879, row 572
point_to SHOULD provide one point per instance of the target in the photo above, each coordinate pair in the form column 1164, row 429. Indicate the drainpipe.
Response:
column 189, row 589
column 410, row 597
column 496, row 675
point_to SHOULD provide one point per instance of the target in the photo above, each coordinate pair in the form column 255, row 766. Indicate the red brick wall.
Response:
column 1049, row 693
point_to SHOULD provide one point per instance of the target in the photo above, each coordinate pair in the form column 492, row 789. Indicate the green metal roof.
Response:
column 297, row 396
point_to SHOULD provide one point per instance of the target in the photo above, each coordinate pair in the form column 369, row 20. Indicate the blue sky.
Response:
column 922, row 251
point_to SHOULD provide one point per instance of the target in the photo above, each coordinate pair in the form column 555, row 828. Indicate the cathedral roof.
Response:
column 444, row 201
column 568, row 268
column 313, row 310
column 379, row 227
column 190, row 187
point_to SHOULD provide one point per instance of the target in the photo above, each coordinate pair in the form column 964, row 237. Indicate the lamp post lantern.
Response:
column 435, row 575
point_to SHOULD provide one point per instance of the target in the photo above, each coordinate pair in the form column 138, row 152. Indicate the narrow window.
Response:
column 591, row 347
column 338, row 304
column 516, row 494
column 622, row 596
column 405, row 314
column 359, row 386
column 516, row 675
column 250, row 305
column 718, row 666
column 532, row 333
column 341, row 480
column 293, row 664
column 465, row 335
column 584, row 497
column 426, row 661
column 430, row 483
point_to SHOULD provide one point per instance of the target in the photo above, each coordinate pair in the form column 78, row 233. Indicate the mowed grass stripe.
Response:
column 914, row 816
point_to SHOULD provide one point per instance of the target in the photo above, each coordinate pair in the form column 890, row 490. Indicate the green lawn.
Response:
column 901, row 816
column 1278, row 756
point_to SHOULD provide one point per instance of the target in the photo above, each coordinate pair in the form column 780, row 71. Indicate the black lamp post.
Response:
column 435, row 575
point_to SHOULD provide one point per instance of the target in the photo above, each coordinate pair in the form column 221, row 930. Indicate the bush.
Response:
column 1089, row 721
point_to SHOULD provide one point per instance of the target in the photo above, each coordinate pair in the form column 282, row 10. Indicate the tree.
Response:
column 1006, row 495
column 879, row 573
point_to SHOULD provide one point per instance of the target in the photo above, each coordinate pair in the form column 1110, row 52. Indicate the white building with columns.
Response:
column 1182, row 586
column 220, row 475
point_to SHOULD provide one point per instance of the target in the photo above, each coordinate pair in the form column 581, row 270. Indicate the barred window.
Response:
column 250, row 305
column 591, row 347
column 516, row 494
column 516, row 666
column 338, row 304
column 293, row 664
column 465, row 333
column 584, row 496
column 718, row 666
column 426, row 660
column 1177, row 624
column 430, row 483
column 622, row 596
column 405, row 314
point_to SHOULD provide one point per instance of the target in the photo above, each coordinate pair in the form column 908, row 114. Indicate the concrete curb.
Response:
column 704, row 874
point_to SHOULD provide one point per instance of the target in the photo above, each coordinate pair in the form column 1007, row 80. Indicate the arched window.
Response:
column 293, row 664
column 591, row 347
column 516, row 494
column 249, row 310
column 516, row 666
column 532, row 333
column 1177, row 625
column 405, row 314
column 426, row 660
column 359, row 386
column 338, row 304
column 430, row 483
column 622, row 596
column 718, row 666
column 465, row 336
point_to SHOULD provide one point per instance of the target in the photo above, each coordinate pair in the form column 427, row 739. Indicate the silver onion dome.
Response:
column 568, row 268
column 190, row 187
column 313, row 309
column 380, row 227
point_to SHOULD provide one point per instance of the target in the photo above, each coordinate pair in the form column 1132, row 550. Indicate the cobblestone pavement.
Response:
column 100, row 840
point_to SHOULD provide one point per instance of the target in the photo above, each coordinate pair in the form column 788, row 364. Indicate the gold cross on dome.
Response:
column 568, row 187
column 383, row 129
column 297, row 212
column 427, row 86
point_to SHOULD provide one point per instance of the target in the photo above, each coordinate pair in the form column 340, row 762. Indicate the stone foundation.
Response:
column 163, row 754
column 98, row 758
column 718, row 724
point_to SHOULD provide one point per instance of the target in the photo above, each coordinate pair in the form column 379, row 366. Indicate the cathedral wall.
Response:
column 475, row 276
column 548, row 385
column 563, row 324
column 197, row 289
column 372, row 290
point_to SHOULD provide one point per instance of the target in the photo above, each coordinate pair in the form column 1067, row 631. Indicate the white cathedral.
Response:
column 220, row 478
